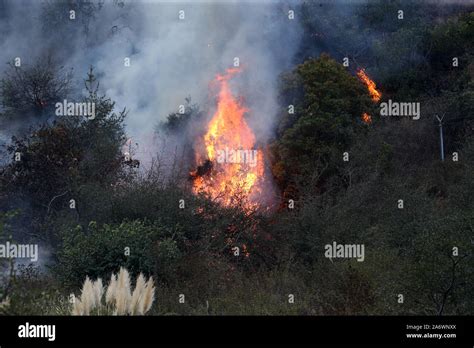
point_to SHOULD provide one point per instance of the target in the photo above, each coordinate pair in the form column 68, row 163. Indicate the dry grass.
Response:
column 119, row 299
column 5, row 303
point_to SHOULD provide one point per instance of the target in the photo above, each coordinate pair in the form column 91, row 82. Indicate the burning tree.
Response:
column 375, row 95
column 371, row 86
column 230, row 164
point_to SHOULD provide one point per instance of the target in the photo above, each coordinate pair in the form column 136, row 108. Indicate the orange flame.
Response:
column 236, row 165
column 371, row 86
column 366, row 118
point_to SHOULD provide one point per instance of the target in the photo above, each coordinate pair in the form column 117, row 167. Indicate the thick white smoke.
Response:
column 175, row 51
column 172, row 58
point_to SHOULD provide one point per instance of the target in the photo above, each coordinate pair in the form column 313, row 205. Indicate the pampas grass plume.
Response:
column 118, row 296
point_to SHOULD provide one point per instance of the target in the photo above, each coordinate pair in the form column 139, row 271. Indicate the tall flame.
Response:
column 371, row 86
column 234, row 165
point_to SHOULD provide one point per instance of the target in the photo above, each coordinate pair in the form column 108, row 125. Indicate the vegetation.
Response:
column 119, row 297
column 74, row 191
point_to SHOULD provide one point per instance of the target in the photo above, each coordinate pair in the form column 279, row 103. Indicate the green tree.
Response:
column 59, row 162
column 328, row 104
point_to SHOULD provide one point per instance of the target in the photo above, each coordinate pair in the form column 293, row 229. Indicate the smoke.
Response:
column 175, row 49
column 178, row 49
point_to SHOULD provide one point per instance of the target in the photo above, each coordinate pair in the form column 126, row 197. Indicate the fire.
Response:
column 366, row 118
column 231, row 165
column 371, row 86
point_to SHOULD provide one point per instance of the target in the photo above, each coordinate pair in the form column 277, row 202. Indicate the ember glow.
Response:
column 366, row 118
column 230, row 165
column 371, row 86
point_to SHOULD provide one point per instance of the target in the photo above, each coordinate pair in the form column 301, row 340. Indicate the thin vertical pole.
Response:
column 441, row 140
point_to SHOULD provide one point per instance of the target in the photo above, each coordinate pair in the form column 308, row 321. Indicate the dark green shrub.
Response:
column 100, row 251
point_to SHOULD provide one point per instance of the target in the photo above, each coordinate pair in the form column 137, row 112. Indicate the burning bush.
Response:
column 221, row 176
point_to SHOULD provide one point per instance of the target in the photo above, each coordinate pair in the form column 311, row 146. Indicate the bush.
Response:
column 97, row 252
column 35, row 293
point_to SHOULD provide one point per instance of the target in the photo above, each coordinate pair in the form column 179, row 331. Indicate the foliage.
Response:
column 28, row 90
column 118, row 296
column 189, row 250
column 99, row 251
column 35, row 293
column 328, row 105
column 58, row 162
